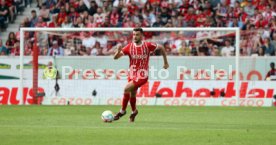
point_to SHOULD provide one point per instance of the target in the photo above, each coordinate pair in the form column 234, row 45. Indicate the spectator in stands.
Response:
column 261, row 23
column 54, row 10
column 82, row 7
column 107, row 7
column 179, row 22
column 150, row 17
column 242, row 52
column 73, row 14
column 93, row 8
column 70, row 47
column 26, row 22
column 78, row 23
column 219, row 22
column 183, row 49
column 165, row 16
column 89, row 22
column 53, row 23
column 109, row 49
column 128, row 22
column 67, row 5
column 40, row 22
column 169, row 23
column 61, row 15
column 189, row 17
column 249, row 9
column 85, row 15
column 215, row 51
column 157, row 23
column 88, row 41
column 99, row 17
column 49, row 4
column 234, row 22
column 28, row 48
column 55, row 50
column 44, row 13
column 222, row 10
column 200, row 19
column 66, row 23
column 15, row 50
column 261, row 51
column 273, row 21
column 44, row 51
column 106, row 22
column 34, row 19
column 203, row 49
column 102, row 39
column 82, row 51
column 96, row 50
column 268, row 47
column 137, row 18
column 267, row 14
column 114, row 17
column 271, row 74
column 4, row 11
column 3, row 49
column 148, row 7
column 273, row 41
column 194, row 51
column 10, row 43
column 265, row 32
column 52, row 38
column 227, row 50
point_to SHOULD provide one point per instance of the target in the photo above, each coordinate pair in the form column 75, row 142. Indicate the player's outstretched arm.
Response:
column 163, row 52
column 119, row 52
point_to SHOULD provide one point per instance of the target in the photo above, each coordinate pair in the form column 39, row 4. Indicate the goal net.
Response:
column 75, row 66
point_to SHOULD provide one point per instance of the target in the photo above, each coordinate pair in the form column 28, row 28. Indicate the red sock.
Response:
column 133, row 103
column 125, row 101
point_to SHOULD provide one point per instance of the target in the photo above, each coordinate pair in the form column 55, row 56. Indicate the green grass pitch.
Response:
column 155, row 125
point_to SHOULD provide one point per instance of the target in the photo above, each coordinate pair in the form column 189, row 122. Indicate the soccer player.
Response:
column 138, row 52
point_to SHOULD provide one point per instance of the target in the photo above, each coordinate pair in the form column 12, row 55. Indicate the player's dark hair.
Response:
column 138, row 29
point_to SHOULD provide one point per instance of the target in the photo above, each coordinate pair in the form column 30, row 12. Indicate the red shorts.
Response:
column 138, row 82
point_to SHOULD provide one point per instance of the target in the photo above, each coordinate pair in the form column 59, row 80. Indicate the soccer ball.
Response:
column 107, row 116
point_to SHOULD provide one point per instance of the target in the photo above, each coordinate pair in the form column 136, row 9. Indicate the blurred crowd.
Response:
column 255, row 18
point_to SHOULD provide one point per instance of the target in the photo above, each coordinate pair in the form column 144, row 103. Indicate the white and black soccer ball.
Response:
column 107, row 116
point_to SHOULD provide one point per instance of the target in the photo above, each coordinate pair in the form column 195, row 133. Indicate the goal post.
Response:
column 35, row 58
column 237, row 58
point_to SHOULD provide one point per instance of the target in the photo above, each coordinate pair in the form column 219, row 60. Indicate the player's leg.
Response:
column 137, row 85
column 133, row 100
column 127, row 93
column 133, row 105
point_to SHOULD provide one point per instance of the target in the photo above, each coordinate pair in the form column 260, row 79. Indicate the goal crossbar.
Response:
column 130, row 29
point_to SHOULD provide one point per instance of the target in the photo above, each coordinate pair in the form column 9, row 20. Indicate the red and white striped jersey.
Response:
column 139, row 58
